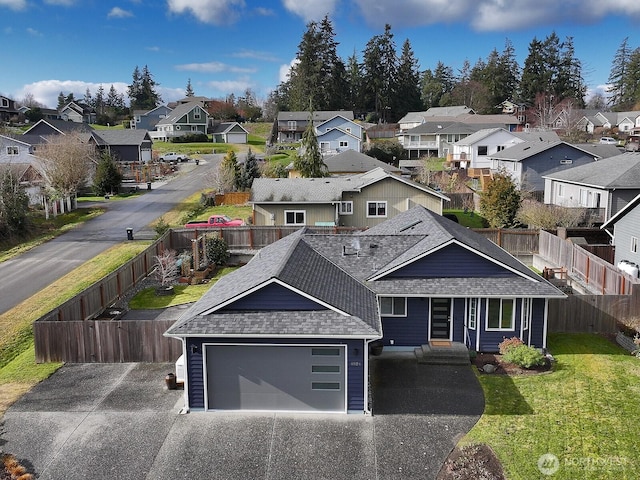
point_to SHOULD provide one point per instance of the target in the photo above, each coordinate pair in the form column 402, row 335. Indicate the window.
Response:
column 325, row 385
column 346, row 208
column 194, row 128
column 325, row 352
column 12, row 150
column 325, row 368
column 344, row 143
column 5, row 102
column 499, row 148
column 294, row 217
column 348, row 129
column 376, row 209
column 560, row 190
column 482, row 150
column 292, row 124
column 137, row 118
column 634, row 244
column 473, row 313
column 393, row 306
column 526, row 313
column 196, row 114
column 500, row 314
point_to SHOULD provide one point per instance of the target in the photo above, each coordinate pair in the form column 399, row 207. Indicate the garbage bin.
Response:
column 197, row 161
column 170, row 381
column 129, row 233
column 148, row 185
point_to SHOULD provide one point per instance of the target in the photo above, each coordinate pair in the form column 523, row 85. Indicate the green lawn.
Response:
column 584, row 413
column 468, row 219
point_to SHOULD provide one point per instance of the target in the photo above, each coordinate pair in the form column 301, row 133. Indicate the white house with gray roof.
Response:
column 608, row 184
column 291, row 330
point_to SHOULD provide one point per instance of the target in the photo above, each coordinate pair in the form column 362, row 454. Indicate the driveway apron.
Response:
column 118, row 421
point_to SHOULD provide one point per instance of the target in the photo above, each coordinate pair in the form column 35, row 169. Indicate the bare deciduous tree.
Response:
column 539, row 215
column 67, row 163
column 166, row 267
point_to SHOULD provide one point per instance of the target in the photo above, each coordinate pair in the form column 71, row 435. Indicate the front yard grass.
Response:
column 468, row 219
column 191, row 209
column 584, row 413
column 18, row 370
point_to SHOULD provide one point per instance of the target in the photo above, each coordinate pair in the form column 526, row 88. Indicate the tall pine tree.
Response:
column 408, row 85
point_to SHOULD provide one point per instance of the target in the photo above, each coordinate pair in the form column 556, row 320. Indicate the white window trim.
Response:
column 393, row 300
column 472, row 316
column 527, row 305
column 634, row 245
column 377, row 203
column 500, row 329
column 343, row 143
column 560, row 190
column 295, row 212
column 13, row 150
column 343, row 211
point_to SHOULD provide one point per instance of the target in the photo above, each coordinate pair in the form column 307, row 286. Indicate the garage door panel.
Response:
column 241, row 377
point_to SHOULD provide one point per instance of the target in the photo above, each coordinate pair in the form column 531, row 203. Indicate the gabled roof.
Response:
column 16, row 138
column 453, row 111
column 226, row 127
column 322, row 190
column 147, row 112
column 622, row 212
column 333, row 130
column 600, row 150
column 621, row 171
column 121, row 137
column 180, row 111
column 62, row 126
column 351, row 161
column 479, row 135
column 537, row 135
column 320, row 116
column 524, row 150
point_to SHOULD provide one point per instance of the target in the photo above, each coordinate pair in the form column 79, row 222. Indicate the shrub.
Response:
column 508, row 343
column 191, row 138
column 217, row 250
column 524, row 356
column 161, row 227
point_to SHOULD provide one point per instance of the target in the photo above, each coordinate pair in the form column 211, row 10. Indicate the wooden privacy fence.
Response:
column 70, row 333
column 598, row 274
column 592, row 313
column 105, row 341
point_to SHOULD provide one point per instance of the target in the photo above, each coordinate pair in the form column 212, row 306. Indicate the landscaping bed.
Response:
column 505, row 368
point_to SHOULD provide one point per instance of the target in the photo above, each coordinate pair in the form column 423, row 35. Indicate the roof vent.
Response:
column 411, row 225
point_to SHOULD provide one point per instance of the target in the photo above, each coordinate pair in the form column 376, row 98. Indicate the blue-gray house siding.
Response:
column 561, row 157
column 274, row 297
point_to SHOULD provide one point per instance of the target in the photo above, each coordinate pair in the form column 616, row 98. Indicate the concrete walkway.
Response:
column 118, row 421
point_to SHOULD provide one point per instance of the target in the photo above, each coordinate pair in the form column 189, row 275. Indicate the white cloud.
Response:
column 212, row 67
column 47, row 91
column 217, row 12
column 264, row 12
column 312, row 9
column 14, row 4
column 33, row 32
column 64, row 3
column 117, row 12
column 489, row 15
column 255, row 55
column 285, row 70
column 225, row 87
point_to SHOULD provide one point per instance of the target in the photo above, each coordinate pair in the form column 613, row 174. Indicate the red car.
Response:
column 216, row 221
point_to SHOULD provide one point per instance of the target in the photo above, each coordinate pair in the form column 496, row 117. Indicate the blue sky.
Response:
column 226, row 46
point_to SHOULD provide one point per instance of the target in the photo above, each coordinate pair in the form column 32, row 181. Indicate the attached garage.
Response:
column 300, row 378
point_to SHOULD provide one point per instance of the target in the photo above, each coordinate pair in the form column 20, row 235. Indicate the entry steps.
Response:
column 442, row 353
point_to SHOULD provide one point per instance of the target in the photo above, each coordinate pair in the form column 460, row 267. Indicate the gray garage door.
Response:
column 260, row 377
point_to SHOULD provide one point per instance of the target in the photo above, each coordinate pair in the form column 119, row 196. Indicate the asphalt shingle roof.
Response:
column 621, row 171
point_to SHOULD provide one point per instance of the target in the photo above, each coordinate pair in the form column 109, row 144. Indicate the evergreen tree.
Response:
column 632, row 82
column 107, row 178
column 61, row 99
column 99, row 101
column 618, row 76
column 380, row 70
column 142, row 90
column 230, row 171
column 500, row 201
column 189, row 89
column 569, row 82
column 14, row 205
column 408, row 86
column 309, row 163
column 88, row 99
column 354, row 83
column 249, row 171
column 533, row 81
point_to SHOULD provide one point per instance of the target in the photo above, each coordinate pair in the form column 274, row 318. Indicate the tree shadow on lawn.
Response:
column 505, row 397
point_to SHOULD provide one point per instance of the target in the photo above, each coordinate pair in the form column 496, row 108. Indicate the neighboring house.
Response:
column 351, row 162
column 229, row 132
column 526, row 163
column 608, row 185
column 352, row 201
column 78, row 112
column 124, row 145
column 381, row 131
column 8, row 110
column 475, row 150
column 339, row 134
column 413, row 119
column 291, row 330
column 43, row 128
column 624, row 229
column 623, row 121
column 186, row 118
column 148, row 119
column 17, row 155
column 289, row 126
column 436, row 138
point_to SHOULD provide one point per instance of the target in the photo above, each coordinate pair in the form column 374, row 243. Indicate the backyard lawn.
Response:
column 579, row 418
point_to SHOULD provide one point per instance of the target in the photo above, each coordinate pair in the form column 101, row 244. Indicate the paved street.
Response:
column 117, row 421
column 27, row 274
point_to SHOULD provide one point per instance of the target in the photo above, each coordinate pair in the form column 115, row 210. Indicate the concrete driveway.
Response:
column 117, row 421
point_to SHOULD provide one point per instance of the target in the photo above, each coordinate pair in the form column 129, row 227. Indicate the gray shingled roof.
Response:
column 339, row 271
column 180, row 111
column 121, row 137
column 319, row 116
column 621, row 171
column 352, row 161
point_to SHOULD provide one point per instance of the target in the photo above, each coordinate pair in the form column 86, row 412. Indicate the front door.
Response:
column 440, row 318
